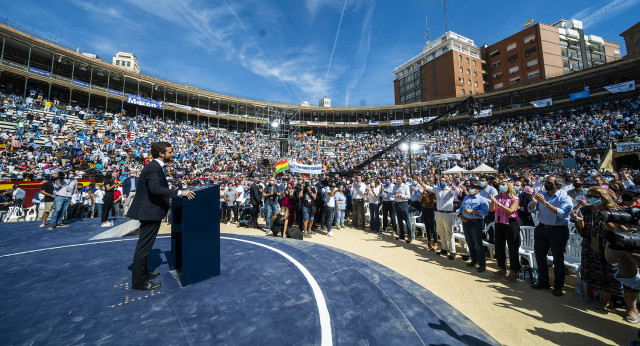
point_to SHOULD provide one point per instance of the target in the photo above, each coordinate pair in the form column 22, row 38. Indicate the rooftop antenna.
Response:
column 426, row 32
column 446, row 25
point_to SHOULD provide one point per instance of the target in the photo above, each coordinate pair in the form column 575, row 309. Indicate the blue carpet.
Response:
column 81, row 295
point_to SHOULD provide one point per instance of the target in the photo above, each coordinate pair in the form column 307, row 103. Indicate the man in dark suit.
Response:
column 129, row 187
column 150, row 206
column 255, row 199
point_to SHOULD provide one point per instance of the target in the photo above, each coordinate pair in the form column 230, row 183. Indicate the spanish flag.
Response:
column 282, row 166
column 529, row 23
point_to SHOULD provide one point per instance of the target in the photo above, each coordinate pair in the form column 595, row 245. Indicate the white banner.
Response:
column 428, row 119
column 188, row 108
column 346, row 123
column 295, row 167
column 415, row 121
column 294, row 122
column 621, row 87
column 396, row 122
column 446, row 156
column 484, row 113
column 317, row 123
column 542, row 103
column 206, row 111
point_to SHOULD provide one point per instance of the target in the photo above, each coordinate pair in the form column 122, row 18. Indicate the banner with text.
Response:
column 115, row 92
column 80, row 83
column 542, row 103
column 145, row 102
column 396, row 122
column 621, row 87
column 428, row 119
column 39, row 72
column 317, row 123
column 415, row 121
column 485, row 113
column 579, row 95
column 295, row 167
column 374, row 123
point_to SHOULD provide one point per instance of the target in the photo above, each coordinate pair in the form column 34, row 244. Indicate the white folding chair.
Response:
column 526, row 245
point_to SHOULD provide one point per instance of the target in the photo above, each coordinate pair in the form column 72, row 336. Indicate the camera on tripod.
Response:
column 620, row 240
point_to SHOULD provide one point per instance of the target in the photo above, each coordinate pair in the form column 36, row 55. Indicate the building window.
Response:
column 467, row 60
column 470, row 92
column 497, row 75
column 117, row 62
column 513, row 58
column 494, row 53
column 474, row 63
column 461, row 69
column 529, row 38
column 495, row 64
column 514, row 69
column 511, row 46
column 462, row 91
column 515, row 80
column 475, row 73
column 476, row 84
column 532, row 62
column 459, row 57
column 533, row 74
column 468, row 71
column 128, row 63
column 530, row 50
column 469, row 81
column 616, row 51
column 461, row 80
column 497, row 86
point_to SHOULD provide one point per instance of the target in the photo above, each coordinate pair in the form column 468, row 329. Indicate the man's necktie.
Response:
column 164, row 169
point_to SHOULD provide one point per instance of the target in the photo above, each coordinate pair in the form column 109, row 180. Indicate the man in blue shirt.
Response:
column 554, row 208
column 472, row 211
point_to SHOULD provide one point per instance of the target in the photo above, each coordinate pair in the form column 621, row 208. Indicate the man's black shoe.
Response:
column 472, row 264
column 481, row 269
column 557, row 292
column 62, row 225
column 409, row 240
column 147, row 286
column 151, row 276
column 399, row 238
column 442, row 253
column 539, row 285
column 452, row 256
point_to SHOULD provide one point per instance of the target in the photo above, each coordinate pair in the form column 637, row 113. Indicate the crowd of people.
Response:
column 62, row 145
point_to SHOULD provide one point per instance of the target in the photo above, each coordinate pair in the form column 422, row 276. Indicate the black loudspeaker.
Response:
column 631, row 161
column 265, row 162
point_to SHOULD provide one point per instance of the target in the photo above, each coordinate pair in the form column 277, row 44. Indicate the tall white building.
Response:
column 127, row 61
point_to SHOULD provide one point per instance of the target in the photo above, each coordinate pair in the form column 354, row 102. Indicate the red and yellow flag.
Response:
column 529, row 23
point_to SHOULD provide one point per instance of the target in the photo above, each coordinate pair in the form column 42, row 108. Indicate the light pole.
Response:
column 409, row 148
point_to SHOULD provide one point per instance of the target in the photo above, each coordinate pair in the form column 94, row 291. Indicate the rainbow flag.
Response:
column 529, row 23
column 282, row 166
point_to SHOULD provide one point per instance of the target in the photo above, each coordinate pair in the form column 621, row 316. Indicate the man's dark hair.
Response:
column 159, row 147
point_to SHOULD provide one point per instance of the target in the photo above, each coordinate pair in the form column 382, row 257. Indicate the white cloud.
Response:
column 592, row 15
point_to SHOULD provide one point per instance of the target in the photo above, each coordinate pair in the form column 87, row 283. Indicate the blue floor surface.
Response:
column 81, row 295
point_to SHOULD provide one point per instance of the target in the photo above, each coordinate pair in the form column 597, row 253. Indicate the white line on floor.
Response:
column 74, row 245
column 325, row 319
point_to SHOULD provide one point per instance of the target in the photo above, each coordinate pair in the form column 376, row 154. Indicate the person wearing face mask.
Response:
column 341, row 205
column 552, row 232
column 445, row 214
column 524, row 216
column 507, row 230
column 401, row 196
column 472, row 211
column 595, row 270
column 279, row 222
column 270, row 195
column 388, row 212
column 5, row 203
column 358, row 195
column 373, row 196
column 428, row 204
column 47, row 190
column 64, row 187
column 486, row 191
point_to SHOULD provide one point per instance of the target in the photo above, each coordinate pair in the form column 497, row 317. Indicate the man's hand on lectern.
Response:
column 188, row 194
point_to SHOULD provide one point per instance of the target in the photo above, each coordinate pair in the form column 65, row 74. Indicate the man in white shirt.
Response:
column 328, row 191
column 373, row 196
column 388, row 212
column 445, row 215
column 358, row 196
column 401, row 195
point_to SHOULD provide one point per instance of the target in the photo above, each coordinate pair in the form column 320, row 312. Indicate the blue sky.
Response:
column 281, row 51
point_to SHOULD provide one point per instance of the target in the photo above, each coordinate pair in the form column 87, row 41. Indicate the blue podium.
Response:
column 195, row 236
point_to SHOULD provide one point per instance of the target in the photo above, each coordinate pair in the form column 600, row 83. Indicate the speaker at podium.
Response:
column 195, row 236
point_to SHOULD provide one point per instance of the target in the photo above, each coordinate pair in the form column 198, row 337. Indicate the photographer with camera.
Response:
column 307, row 195
column 594, row 269
column 64, row 187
